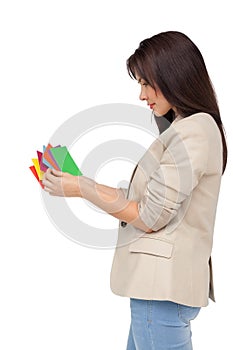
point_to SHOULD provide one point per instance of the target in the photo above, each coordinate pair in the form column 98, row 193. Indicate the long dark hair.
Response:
column 173, row 62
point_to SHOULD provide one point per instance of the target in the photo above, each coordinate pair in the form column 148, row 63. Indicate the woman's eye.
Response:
column 144, row 84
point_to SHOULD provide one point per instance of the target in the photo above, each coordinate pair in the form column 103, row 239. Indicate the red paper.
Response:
column 33, row 170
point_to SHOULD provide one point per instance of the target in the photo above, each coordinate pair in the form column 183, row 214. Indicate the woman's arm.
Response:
column 109, row 199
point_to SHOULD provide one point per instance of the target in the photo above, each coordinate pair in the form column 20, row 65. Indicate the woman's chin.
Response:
column 157, row 114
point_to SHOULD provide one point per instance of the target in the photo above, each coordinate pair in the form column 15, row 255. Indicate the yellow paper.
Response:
column 37, row 167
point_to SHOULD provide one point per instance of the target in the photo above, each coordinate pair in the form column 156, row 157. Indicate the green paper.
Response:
column 65, row 161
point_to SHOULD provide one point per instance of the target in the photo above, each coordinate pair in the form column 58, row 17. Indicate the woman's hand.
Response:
column 62, row 184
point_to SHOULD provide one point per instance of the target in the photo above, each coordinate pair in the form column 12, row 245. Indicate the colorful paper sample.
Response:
column 57, row 158
column 64, row 160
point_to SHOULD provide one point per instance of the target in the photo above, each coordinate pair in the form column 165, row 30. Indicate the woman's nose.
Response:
column 142, row 96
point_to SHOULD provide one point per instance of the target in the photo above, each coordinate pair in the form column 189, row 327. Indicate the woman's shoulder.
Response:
column 200, row 122
column 198, row 128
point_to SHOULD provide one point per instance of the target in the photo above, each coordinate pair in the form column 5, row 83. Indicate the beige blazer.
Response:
column 176, row 184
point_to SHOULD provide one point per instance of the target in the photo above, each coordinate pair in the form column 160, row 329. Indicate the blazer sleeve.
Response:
column 182, row 164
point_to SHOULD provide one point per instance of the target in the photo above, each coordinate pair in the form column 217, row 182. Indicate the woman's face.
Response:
column 154, row 98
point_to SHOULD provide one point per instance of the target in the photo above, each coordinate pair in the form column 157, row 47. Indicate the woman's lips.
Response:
column 152, row 105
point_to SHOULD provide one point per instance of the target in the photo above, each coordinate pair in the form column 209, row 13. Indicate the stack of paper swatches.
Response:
column 57, row 158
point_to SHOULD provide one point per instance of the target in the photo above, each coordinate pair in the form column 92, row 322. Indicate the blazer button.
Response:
column 123, row 223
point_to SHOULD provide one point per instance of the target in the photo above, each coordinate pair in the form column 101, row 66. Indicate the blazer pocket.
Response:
column 152, row 246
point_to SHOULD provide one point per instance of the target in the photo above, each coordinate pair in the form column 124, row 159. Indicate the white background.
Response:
column 57, row 59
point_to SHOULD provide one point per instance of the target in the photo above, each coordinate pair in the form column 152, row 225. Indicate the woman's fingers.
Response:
column 52, row 174
column 56, row 173
column 50, row 179
column 57, row 183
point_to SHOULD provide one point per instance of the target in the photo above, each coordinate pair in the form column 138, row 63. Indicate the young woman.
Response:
column 163, row 257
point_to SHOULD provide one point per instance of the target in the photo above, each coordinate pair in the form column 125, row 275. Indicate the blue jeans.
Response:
column 160, row 325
